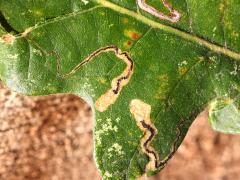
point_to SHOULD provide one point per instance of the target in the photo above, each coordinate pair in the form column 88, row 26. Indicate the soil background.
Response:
column 50, row 138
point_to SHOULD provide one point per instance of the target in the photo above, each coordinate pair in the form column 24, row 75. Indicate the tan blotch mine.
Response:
column 141, row 112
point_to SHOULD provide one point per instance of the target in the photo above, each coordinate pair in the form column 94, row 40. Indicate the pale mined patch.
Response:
column 107, row 174
column 87, row 86
column 236, row 69
column 85, row 2
column 8, row 38
column 117, row 84
column 116, row 148
column 37, row 52
column 118, row 119
column 141, row 112
column 12, row 56
column 106, row 127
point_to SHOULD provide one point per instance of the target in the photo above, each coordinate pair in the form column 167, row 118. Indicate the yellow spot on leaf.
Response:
column 102, row 80
column 182, row 70
column 102, row 13
column 38, row 13
column 228, row 101
column 127, row 44
column 234, row 34
column 221, row 7
column 163, row 88
column 125, row 20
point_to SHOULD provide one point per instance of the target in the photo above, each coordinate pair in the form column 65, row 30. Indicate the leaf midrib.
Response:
column 187, row 36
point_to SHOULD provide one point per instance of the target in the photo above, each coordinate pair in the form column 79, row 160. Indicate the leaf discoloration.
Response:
column 141, row 112
column 8, row 38
column 178, row 70
column 117, row 84
column 132, row 34
column 173, row 17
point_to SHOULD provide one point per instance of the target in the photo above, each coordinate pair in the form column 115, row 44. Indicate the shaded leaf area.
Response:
column 176, row 77
column 2, row 31
column 31, row 12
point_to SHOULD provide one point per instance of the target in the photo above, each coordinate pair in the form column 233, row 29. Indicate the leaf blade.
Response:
column 177, row 85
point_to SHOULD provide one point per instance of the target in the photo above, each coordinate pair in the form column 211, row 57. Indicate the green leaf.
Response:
column 178, row 69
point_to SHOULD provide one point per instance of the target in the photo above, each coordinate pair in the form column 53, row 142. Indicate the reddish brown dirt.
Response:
column 50, row 138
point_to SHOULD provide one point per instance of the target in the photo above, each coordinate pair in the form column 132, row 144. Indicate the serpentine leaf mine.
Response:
column 173, row 17
column 117, row 84
column 141, row 112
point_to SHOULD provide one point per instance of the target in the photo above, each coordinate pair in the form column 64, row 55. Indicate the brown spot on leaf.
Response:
column 128, row 44
column 135, row 35
column 125, row 21
column 132, row 34
column 182, row 70
column 8, row 38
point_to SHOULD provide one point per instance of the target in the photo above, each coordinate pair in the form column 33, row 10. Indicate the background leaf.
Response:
column 225, row 116
column 179, row 68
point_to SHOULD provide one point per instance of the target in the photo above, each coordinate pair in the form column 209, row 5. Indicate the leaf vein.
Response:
column 187, row 36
